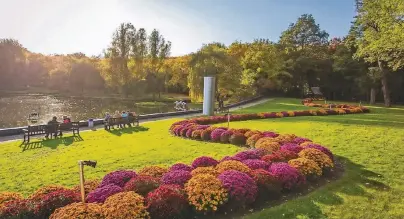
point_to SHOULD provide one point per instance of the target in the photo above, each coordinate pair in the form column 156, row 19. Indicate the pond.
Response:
column 14, row 109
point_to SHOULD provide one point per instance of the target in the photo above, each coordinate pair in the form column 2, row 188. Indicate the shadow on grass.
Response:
column 51, row 143
column 348, row 178
column 128, row 130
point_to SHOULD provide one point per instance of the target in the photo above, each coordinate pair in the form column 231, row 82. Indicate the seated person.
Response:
column 66, row 119
column 52, row 127
column 124, row 116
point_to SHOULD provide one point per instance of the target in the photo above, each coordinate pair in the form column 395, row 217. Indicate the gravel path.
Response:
column 83, row 129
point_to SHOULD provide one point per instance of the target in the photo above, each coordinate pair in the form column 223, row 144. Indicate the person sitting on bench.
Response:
column 66, row 119
column 125, row 118
column 52, row 127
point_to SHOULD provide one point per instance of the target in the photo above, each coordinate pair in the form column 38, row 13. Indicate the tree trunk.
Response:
column 372, row 95
column 385, row 87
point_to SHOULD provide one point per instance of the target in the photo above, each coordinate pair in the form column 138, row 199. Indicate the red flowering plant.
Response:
column 180, row 166
column 268, row 184
column 22, row 208
column 256, row 164
column 142, row 184
column 38, row 194
column 168, row 201
column 9, row 196
column 177, row 177
column 241, row 188
column 50, row 202
column 204, row 161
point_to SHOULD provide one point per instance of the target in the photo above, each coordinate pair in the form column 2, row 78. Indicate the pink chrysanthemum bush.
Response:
column 225, row 136
column 215, row 134
column 168, row 201
column 289, row 177
column 204, row 161
column 142, row 184
column 256, row 164
column 118, row 178
column 268, row 184
column 241, row 188
column 206, row 193
column 292, row 147
column 180, row 166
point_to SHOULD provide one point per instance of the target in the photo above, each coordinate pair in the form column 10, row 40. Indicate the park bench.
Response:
column 52, row 130
column 121, row 122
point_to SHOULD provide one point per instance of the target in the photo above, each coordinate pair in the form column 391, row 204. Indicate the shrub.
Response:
column 322, row 149
column 197, row 134
column 232, row 165
column 253, row 139
column 237, row 139
column 16, row 209
column 249, row 154
column 184, row 131
column 280, row 156
column 9, row 196
column 205, row 135
column 263, row 141
column 178, row 177
column 322, row 159
column 225, row 136
column 189, row 133
column 125, row 205
column 270, row 134
column 38, row 194
column 242, row 131
column 142, row 184
column 89, row 186
column 154, row 171
column 100, row 194
column 205, row 192
column 285, row 138
column 251, row 133
column 180, row 166
column 256, row 164
column 204, row 170
column 292, row 147
column 288, row 176
column 79, row 211
column 230, row 158
column 51, row 201
column 306, row 167
column 304, row 144
column 167, row 201
column 241, row 188
column 300, row 140
column 268, row 146
column 215, row 135
column 204, row 161
column 266, row 182
column 118, row 178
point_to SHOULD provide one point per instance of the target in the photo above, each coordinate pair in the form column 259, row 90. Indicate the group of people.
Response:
column 180, row 105
column 52, row 126
column 124, row 115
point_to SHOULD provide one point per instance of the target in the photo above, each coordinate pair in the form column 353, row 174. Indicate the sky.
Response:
column 69, row 26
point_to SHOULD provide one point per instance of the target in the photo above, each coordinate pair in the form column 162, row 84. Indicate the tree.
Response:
column 379, row 28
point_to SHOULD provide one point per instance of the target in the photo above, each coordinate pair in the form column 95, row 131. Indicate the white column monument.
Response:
column 208, row 96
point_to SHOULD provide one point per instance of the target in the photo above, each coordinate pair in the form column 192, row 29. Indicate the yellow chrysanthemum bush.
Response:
column 89, row 186
column 322, row 159
column 251, row 133
column 125, row 205
column 285, row 138
column 279, row 115
column 291, row 113
column 154, row 171
column 307, row 167
column 9, row 196
column 205, row 170
column 232, row 165
column 268, row 144
column 205, row 192
column 253, row 139
column 79, row 211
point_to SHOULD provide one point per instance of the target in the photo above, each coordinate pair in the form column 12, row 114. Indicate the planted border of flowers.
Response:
column 275, row 164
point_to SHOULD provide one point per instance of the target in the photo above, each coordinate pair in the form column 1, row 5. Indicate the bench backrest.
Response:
column 65, row 126
column 37, row 128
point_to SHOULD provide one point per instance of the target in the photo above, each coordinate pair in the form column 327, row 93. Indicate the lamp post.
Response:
column 228, row 118
column 83, row 163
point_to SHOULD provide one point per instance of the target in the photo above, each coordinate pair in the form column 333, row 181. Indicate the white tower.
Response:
column 208, row 96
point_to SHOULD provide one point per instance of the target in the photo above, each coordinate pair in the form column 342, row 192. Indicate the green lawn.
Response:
column 370, row 145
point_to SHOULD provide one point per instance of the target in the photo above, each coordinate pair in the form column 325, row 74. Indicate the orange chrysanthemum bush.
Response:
column 154, row 171
column 37, row 195
column 9, row 196
column 307, row 167
column 79, row 211
column 205, row 192
column 89, row 186
column 322, row 159
column 251, row 133
column 268, row 144
column 197, row 134
column 125, row 205
column 280, row 156
column 291, row 113
column 285, row 138
column 205, row 170
column 232, row 165
column 279, row 115
column 253, row 139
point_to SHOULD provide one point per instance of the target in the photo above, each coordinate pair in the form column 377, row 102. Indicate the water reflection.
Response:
column 14, row 109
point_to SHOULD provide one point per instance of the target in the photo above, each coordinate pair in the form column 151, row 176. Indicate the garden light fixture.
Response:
column 83, row 163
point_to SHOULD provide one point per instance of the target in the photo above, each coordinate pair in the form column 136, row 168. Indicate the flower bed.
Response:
column 275, row 163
